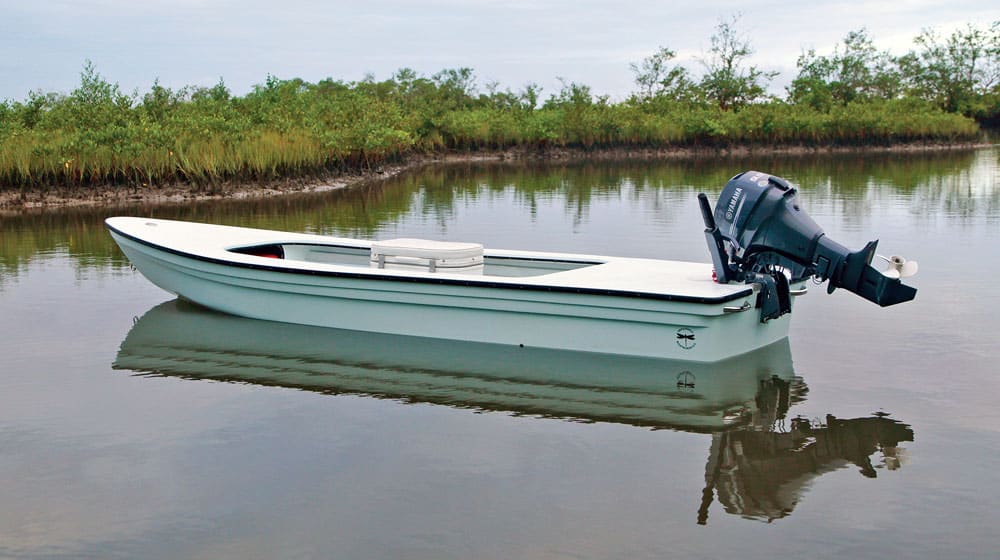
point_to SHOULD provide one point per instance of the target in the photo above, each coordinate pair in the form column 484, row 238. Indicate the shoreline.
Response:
column 111, row 196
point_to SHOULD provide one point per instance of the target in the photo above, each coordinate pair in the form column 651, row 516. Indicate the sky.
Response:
column 44, row 44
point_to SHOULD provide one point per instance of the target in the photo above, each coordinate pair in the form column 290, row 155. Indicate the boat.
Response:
column 760, row 459
column 764, row 249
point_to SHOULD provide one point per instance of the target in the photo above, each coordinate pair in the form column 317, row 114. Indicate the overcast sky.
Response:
column 44, row 43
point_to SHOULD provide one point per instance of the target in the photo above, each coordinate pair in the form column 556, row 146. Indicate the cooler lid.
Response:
column 427, row 249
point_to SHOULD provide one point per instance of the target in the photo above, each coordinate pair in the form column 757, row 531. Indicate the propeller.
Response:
column 899, row 267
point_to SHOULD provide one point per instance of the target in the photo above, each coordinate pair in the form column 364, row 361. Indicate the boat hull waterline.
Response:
column 642, row 307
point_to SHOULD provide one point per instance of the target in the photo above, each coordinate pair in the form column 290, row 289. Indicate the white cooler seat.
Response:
column 428, row 255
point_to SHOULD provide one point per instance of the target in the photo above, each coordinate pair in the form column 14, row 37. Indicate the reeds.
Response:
column 97, row 136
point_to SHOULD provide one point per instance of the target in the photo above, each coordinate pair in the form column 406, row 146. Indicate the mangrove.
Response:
column 856, row 96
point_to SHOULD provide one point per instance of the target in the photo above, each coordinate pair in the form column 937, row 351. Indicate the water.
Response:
column 135, row 426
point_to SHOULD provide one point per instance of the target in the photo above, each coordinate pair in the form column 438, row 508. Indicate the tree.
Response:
column 95, row 103
column 726, row 81
column 657, row 78
column 456, row 86
column 953, row 72
column 858, row 73
column 158, row 103
column 571, row 93
column 529, row 95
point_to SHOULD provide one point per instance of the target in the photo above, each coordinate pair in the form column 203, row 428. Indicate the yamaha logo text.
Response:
column 733, row 200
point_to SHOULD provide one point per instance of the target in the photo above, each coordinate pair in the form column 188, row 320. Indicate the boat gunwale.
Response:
column 374, row 275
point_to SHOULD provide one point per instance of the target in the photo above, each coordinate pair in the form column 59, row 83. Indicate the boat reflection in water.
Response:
column 759, row 462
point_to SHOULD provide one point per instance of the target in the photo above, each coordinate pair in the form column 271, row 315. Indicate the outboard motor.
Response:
column 759, row 234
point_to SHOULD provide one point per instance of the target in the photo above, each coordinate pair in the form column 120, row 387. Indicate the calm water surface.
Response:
column 135, row 426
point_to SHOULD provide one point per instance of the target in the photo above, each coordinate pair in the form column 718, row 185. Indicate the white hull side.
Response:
column 533, row 318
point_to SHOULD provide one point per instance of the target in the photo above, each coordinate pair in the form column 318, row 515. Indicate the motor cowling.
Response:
column 759, row 231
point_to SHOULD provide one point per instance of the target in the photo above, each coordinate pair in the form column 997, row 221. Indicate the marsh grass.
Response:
column 96, row 135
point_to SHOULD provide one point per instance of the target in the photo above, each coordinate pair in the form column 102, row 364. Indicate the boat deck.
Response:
column 318, row 254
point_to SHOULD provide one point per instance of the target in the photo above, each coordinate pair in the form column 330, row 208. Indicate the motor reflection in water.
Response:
column 761, row 472
column 760, row 462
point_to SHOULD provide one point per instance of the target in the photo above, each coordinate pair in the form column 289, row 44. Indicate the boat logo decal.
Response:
column 685, row 380
column 685, row 338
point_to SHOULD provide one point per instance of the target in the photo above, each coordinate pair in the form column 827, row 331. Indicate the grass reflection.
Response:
column 958, row 184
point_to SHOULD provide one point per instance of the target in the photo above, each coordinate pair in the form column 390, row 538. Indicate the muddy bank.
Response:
column 16, row 201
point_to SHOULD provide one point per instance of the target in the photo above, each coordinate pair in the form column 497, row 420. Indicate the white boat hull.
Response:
column 558, row 311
